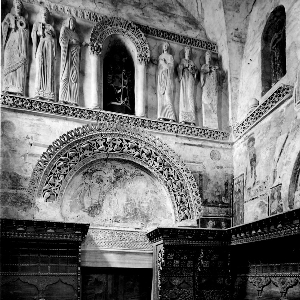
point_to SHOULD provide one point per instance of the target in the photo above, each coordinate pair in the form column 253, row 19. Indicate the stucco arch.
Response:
column 135, row 41
column 110, row 140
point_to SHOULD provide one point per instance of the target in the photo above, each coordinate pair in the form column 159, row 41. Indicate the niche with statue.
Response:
column 118, row 83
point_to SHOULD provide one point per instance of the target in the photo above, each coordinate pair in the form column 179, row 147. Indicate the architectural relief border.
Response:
column 283, row 92
column 60, row 109
column 107, row 26
column 63, row 156
column 96, row 17
column 281, row 225
column 49, row 230
column 116, row 239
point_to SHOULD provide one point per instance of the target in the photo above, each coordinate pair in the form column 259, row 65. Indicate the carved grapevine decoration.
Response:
column 106, row 140
column 109, row 26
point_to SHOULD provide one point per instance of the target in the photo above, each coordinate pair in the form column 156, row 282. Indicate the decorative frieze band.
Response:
column 282, row 93
column 108, row 26
column 31, row 229
column 281, row 225
column 116, row 239
column 60, row 109
column 178, row 38
column 92, row 16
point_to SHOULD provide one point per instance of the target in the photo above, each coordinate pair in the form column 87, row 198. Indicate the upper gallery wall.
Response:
column 251, row 85
column 171, row 17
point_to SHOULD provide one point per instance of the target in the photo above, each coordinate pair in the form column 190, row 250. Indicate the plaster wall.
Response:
column 25, row 136
column 250, row 84
column 266, row 156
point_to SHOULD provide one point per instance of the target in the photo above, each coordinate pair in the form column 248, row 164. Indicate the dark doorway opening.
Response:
column 116, row 284
column 118, row 82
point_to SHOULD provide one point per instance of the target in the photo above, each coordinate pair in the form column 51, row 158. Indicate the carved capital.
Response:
column 260, row 283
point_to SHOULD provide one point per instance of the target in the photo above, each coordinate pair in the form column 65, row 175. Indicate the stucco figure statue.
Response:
column 165, row 109
column 187, row 72
column 44, row 49
column 15, row 43
column 209, row 85
column 69, row 67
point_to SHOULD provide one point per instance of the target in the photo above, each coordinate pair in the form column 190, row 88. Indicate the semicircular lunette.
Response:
column 103, row 141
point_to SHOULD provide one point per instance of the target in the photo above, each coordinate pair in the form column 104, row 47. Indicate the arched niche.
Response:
column 116, row 29
column 118, row 75
column 273, row 52
column 79, row 149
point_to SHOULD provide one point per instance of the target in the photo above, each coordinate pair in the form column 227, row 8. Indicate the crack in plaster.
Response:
column 250, row 10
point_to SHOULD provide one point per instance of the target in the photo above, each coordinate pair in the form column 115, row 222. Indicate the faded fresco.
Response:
column 116, row 193
column 267, row 156
column 216, row 223
column 215, row 194
column 276, row 205
column 16, row 170
column 238, row 200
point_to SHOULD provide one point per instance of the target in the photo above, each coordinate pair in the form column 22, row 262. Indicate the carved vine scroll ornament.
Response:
column 108, row 26
column 59, row 109
column 284, row 284
column 260, row 283
column 92, row 142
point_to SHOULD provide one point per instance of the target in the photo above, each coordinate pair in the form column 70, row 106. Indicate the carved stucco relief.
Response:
column 105, row 140
column 109, row 26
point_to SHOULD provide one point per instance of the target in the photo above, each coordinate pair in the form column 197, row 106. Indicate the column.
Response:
column 140, row 90
column 93, row 101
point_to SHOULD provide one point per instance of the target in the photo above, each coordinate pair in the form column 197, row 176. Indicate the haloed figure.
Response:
column 44, row 49
column 187, row 72
column 70, row 56
column 165, row 85
column 15, row 43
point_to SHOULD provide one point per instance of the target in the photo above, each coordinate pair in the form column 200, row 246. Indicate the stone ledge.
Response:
column 278, row 226
column 59, row 109
column 282, row 93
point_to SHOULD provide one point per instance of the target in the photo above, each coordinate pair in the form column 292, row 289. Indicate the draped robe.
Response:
column 15, row 43
column 165, row 87
column 69, row 70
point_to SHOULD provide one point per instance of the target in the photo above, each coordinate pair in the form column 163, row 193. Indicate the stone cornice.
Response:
column 59, row 109
column 47, row 230
column 281, row 225
column 282, row 93
column 94, row 17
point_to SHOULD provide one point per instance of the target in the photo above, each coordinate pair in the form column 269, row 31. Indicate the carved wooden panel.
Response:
column 40, row 259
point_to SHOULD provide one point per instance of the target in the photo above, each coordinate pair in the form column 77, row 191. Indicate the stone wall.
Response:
column 266, row 156
column 250, row 83
column 25, row 136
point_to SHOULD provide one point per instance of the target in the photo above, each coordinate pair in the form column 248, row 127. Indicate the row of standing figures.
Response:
column 187, row 74
column 15, row 42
